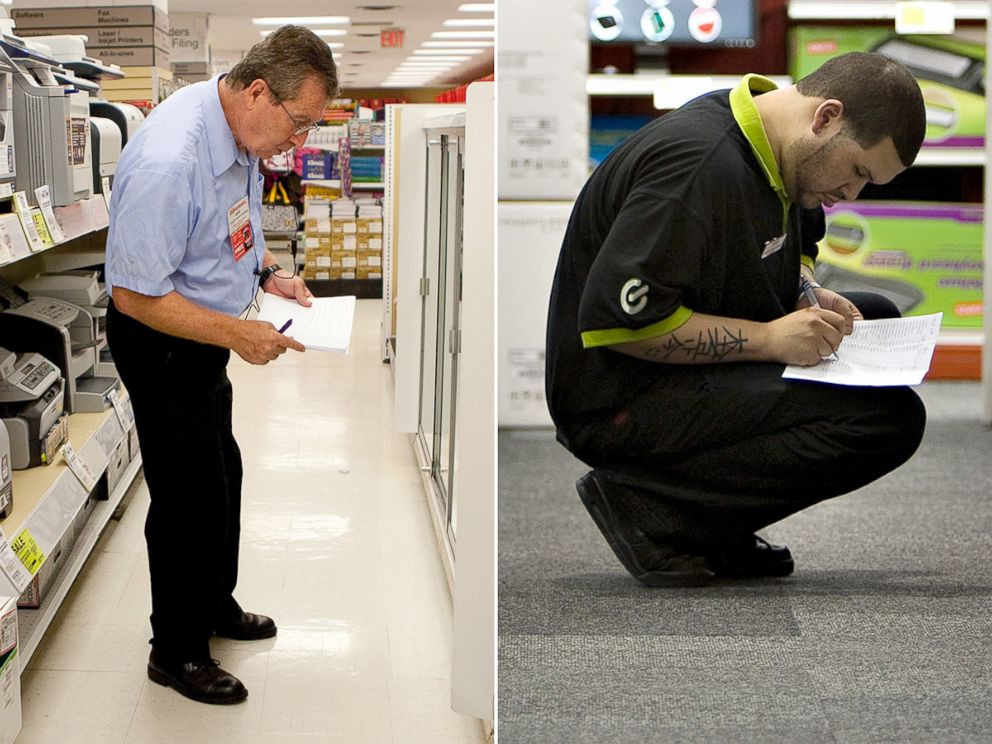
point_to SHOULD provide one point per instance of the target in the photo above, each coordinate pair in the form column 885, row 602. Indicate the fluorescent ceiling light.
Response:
column 477, row 8
column 470, row 22
column 463, row 35
column 418, row 60
column 439, row 52
column 302, row 21
column 445, row 44
column 319, row 32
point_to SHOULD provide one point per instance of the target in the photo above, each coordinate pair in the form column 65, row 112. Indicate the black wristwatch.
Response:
column 265, row 274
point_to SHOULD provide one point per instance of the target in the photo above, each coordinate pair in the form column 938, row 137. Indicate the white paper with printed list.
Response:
column 878, row 353
column 324, row 326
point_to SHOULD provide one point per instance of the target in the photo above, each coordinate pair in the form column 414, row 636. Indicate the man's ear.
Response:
column 255, row 90
column 827, row 117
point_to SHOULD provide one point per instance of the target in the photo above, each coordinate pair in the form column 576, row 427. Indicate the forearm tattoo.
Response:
column 711, row 345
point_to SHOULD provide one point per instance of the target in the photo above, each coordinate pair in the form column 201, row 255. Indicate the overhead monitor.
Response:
column 723, row 23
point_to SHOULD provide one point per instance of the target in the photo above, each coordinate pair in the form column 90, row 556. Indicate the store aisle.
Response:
column 337, row 546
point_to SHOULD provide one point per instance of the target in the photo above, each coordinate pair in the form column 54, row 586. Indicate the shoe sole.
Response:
column 602, row 515
column 166, row 681
column 261, row 637
column 775, row 570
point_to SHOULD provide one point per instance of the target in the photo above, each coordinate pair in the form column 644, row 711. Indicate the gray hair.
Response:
column 285, row 59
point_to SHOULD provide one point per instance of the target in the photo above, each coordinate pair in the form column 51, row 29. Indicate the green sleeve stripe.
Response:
column 808, row 261
column 610, row 336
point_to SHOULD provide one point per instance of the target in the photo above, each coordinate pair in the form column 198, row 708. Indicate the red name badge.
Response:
column 239, row 226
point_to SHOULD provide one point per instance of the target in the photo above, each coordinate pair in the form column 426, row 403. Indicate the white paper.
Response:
column 45, row 204
column 27, row 223
column 79, row 468
column 122, row 415
column 878, row 353
column 324, row 326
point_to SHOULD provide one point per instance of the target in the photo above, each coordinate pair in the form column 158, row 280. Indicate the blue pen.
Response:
column 286, row 325
column 807, row 289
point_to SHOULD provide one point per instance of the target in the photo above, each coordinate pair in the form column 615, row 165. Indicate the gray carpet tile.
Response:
column 883, row 634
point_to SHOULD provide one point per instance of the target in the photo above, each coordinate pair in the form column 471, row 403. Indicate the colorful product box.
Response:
column 925, row 257
column 950, row 71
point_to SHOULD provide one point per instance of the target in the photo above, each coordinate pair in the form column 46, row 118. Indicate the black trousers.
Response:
column 182, row 402
column 712, row 453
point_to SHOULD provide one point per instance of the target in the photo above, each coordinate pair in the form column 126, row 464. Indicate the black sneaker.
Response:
column 754, row 558
column 650, row 563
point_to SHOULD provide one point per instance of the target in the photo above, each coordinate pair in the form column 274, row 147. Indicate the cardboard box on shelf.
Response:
column 129, row 15
column 368, row 273
column 344, row 225
column 368, row 259
column 342, row 273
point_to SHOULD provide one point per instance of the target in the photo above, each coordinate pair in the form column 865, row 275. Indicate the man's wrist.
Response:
column 267, row 273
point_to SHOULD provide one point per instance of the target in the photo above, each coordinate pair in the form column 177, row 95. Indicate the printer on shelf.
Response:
column 80, row 287
column 51, row 126
column 31, row 407
column 67, row 335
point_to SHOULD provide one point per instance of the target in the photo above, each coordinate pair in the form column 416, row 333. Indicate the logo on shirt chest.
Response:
column 633, row 296
column 773, row 246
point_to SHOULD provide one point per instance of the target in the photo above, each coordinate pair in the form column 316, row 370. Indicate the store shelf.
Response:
column 951, row 156
column 32, row 624
column 368, row 147
column 958, row 355
column 47, row 501
column 363, row 289
column 668, row 91
column 858, row 10
column 77, row 220
column 367, row 186
column 446, row 120
column 328, row 183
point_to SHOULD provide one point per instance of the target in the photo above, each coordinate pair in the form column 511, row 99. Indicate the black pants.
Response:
column 712, row 453
column 182, row 402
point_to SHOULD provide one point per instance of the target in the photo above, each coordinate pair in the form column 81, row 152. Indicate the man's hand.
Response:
column 259, row 342
column 830, row 300
column 290, row 287
column 807, row 336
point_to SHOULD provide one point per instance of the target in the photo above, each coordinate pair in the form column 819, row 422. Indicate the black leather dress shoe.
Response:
column 247, row 627
column 753, row 558
column 647, row 561
column 203, row 681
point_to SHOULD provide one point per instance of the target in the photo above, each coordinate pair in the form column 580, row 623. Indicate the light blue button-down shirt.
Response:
column 176, row 180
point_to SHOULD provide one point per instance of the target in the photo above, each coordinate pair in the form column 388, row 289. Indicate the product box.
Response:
column 315, row 166
column 119, row 460
column 368, row 273
column 949, row 69
column 133, row 446
column 925, row 257
column 110, row 15
column 370, row 260
column 10, row 672
column 342, row 273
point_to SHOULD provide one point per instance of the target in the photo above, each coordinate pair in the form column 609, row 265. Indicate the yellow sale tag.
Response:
column 25, row 547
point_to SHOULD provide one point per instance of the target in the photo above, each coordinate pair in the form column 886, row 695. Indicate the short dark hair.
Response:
column 284, row 60
column 881, row 99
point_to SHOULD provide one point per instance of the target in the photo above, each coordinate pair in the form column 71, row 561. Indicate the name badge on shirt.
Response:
column 773, row 246
column 239, row 225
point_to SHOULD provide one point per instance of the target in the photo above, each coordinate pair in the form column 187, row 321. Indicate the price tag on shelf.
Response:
column 124, row 415
column 44, row 196
column 28, row 552
column 27, row 223
column 79, row 468
column 924, row 18
column 12, row 566
column 6, row 190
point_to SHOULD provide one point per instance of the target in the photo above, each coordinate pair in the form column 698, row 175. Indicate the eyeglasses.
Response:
column 304, row 129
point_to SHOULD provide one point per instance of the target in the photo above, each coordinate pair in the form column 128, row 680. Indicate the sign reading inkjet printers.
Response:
column 543, row 108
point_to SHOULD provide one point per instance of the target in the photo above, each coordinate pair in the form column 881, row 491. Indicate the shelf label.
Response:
column 106, row 191
column 12, row 566
column 27, row 224
column 124, row 414
column 79, row 468
column 924, row 18
column 6, row 190
column 28, row 551
column 44, row 196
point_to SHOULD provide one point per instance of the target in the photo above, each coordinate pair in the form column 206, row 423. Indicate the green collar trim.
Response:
column 748, row 119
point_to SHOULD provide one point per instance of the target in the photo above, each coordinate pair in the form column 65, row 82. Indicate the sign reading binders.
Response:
column 123, row 35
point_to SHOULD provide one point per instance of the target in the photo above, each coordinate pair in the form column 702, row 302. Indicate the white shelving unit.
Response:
column 846, row 10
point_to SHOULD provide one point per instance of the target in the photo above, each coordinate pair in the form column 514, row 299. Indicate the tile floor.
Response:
column 337, row 546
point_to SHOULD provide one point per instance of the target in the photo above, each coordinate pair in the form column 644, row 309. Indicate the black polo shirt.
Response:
column 688, row 215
